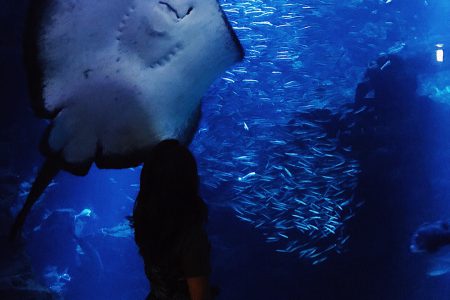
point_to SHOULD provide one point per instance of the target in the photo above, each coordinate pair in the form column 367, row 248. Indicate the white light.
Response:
column 440, row 52
column 440, row 55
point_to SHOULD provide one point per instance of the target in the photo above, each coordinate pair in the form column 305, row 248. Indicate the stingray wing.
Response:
column 60, row 35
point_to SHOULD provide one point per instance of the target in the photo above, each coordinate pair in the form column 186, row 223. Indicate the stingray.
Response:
column 115, row 77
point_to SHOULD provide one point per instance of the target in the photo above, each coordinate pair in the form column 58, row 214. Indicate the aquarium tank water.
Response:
column 324, row 159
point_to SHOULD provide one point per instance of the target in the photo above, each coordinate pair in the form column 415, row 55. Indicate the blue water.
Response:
column 287, row 220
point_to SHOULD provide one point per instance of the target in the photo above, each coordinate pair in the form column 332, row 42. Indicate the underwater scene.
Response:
column 323, row 146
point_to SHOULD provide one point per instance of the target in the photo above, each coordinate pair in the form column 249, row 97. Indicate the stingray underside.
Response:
column 115, row 77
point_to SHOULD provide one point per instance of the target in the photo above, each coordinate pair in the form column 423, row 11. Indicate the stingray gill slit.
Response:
column 168, row 57
column 124, row 21
column 164, row 59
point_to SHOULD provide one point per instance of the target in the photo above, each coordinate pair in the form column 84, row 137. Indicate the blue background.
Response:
column 257, row 160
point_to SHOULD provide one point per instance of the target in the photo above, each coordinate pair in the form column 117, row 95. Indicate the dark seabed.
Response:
column 311, row 195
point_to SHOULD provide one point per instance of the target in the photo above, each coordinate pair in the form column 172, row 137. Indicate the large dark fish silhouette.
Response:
column 431, row 237
column 115, row 77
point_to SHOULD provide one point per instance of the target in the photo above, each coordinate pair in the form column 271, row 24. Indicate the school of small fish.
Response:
column 280, row 173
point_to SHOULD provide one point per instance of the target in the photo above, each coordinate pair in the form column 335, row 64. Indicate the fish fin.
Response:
column 46, row 174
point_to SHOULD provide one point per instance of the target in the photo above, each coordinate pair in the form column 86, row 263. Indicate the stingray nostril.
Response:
column 176, row 11
column 170, row 8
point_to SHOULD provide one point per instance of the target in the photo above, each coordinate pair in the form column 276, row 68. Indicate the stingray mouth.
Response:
column 174, row 11
column 167, row 58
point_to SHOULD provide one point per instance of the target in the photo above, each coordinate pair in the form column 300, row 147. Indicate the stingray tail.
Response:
column 47, row 172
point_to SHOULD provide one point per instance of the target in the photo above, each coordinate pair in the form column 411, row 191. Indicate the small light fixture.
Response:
column 440, row 52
